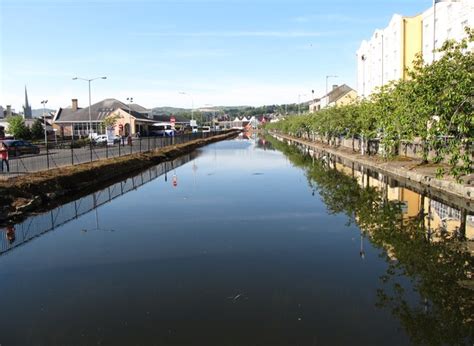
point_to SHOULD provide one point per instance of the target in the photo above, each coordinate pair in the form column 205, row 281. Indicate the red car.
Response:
column 17, row 147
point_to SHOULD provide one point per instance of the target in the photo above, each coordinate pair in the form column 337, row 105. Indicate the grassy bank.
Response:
column 25, row 195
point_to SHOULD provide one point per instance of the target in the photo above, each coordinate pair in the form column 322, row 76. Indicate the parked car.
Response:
column 17, row 147
column 100, row 139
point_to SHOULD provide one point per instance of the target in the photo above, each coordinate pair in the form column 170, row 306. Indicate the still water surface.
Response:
column 238, row 244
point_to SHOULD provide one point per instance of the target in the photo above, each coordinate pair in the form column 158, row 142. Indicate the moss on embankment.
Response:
column 37, row 192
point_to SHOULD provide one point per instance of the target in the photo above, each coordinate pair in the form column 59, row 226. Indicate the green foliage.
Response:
column 434, row 106
column 37, row 130
column 111, row 120
column 17, row 127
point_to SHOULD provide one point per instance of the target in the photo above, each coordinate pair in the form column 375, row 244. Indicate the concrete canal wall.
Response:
column 405, row 170
column 25, row 195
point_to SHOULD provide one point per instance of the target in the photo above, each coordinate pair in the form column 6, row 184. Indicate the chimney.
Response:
column 9, row 110
column 74, row 105
column 334, row 86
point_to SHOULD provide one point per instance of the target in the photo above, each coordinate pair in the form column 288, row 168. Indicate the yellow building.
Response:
column 389, row 53
column 411, row 45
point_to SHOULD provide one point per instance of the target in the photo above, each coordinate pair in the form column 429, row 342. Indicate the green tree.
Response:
column 17, row 127
column 111, row 120
column 444, row 107
column 37, row 130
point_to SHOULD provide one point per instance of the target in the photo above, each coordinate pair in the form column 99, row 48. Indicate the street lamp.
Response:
column 327, row 97
column 130, row 101
column 89, row 81
column 44, row 102
column 327, row 77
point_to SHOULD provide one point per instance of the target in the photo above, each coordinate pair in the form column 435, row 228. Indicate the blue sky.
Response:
column 222, row 52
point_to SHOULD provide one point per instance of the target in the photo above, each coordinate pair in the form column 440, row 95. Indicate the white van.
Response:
column 163, row 129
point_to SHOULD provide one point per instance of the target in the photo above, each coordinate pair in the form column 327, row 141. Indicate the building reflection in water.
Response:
column 426, row 241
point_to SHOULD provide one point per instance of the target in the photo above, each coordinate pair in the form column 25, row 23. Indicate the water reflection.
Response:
column 242, row 252
column 423, row 239
column 35, row 226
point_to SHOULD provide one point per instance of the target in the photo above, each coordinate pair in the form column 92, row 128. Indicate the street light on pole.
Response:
column 44, row 102
column 89, row 81
column 327, row 77
column 130, row 101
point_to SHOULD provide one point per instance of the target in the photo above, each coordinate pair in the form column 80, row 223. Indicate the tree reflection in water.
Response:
column 436, row 261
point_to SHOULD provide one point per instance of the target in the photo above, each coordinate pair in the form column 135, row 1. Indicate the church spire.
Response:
column 27, row 108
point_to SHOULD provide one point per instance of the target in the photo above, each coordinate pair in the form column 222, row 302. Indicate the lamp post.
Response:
column 89, row 81
column 327, row 91
column 44, row 102
column 130, row 101
column 327, row 77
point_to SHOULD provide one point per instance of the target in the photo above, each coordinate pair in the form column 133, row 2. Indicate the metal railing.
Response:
column 74, row 152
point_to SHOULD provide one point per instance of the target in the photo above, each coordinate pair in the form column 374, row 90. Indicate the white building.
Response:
column 391, row 51
column 451, row 19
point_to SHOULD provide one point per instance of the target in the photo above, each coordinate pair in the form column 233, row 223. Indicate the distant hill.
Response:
column 169, row 110
column 233, row 111
column 39, row 112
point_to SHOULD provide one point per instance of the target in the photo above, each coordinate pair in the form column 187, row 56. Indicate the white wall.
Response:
column 451, row 18
column 382, row 58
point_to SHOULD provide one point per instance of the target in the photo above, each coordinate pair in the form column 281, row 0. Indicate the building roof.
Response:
column 338, row 92
column 99, row 111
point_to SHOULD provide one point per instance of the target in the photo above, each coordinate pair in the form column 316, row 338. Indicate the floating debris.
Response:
column 236, row 297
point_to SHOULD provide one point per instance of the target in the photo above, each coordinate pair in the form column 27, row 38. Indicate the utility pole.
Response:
column 44, row 102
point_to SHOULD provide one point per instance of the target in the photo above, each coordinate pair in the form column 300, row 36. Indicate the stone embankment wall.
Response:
column 413, row 150
column 401, row 170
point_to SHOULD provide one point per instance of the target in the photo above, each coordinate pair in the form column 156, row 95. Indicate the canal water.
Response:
column 246, row 242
